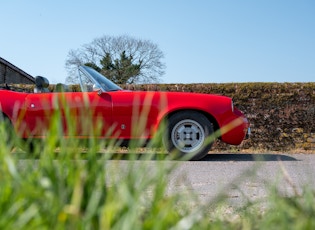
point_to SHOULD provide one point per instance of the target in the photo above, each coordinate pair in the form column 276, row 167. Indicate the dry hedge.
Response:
column 281, row 114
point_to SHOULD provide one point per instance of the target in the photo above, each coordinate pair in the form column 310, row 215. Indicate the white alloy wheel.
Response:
column 188, row 133
column 188, row 136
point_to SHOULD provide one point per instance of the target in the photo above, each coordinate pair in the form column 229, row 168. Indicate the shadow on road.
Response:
column 212, row 157
column 248, row 157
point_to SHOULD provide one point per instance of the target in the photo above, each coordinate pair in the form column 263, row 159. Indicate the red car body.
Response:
column 119, row 114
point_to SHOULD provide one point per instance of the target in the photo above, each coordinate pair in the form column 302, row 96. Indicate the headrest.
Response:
column 41, row 82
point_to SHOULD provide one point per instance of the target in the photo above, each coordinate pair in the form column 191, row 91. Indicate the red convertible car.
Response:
column 102, row 109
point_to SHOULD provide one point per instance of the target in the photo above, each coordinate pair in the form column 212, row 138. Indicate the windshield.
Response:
column 90, row 80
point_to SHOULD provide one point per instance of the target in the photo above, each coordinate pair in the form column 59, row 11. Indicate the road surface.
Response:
column 248, row 176
column 241, row 177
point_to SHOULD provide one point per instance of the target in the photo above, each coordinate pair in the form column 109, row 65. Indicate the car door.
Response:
column 135, row 114
column 76, row 114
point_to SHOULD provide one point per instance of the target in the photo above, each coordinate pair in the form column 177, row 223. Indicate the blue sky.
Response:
column 205, row 41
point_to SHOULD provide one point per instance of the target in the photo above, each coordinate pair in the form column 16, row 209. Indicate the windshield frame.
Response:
column 99, row 81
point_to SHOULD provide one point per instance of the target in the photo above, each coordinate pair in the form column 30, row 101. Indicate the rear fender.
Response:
column 11, row 107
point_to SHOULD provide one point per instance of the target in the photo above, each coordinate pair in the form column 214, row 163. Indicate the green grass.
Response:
column 61, row 184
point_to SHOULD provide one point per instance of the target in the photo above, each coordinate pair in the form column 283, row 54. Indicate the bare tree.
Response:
column 141, row 53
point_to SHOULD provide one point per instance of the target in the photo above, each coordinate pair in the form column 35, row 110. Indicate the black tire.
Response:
column 9, row 131
column 12, row 140
column 189, row 134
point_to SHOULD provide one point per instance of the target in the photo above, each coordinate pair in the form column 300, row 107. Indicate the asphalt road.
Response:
column 247, row 176
column 241, row 177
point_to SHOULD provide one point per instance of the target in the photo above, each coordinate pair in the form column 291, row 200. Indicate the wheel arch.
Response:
column 211, row 118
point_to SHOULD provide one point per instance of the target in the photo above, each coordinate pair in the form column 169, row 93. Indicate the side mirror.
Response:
column 96, row 87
